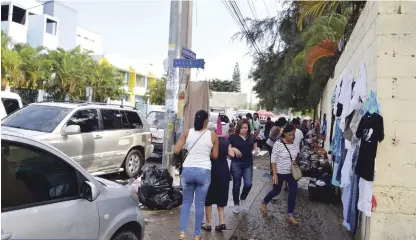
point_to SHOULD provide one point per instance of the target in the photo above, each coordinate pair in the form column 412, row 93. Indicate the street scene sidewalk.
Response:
column 316, row 220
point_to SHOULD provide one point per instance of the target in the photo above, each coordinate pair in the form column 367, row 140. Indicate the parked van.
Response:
column 10, row 102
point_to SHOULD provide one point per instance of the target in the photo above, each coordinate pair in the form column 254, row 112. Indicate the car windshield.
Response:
column 156, row 119
column 40, row 118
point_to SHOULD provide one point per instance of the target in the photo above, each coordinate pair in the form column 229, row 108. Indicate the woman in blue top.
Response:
column 244, row 146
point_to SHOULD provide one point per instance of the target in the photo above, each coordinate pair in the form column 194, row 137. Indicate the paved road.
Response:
column 316, row 221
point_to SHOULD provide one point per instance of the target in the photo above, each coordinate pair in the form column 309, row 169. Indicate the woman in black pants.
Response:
column 285, row 153
column 220, row 182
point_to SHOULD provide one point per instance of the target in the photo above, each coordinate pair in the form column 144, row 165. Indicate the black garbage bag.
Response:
column 157, row 177
column 156, row 191
column 177, row 197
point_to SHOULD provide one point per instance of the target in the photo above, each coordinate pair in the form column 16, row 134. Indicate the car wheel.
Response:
column 133, row 163
column 125, row 235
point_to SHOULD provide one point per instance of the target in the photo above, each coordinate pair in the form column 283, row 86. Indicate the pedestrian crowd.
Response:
column 206, row 173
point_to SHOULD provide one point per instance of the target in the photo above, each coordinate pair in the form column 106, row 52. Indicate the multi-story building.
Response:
column 23, row 22
column 89, row 40
column 137, row 79
column 49, row 24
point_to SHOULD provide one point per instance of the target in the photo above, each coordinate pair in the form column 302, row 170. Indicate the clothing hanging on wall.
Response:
column 371, row 132
column 350, row 197
column 345, row 97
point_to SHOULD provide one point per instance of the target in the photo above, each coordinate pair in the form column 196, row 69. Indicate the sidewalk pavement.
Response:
column 316, row 220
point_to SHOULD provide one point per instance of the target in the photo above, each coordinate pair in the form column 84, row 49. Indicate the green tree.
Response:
column 280, row 71
column 236, row 78
column 217, row 85
column 35, row 65
column 107, row 81
column 11, row 63
column 157, row 92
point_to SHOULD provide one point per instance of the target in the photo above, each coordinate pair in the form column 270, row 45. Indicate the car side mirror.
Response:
column 71, row 130
column 89, row 191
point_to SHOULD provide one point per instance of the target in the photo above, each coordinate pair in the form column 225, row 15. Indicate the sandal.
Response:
column 182, row 236
column 220, row 228
column 292, row 220
column 206, row 227
column 263, row 208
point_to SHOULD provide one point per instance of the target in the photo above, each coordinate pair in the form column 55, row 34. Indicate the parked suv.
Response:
column 102, row 138
column 46, row 195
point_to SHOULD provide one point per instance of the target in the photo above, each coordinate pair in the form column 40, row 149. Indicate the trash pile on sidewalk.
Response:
column 155, row 191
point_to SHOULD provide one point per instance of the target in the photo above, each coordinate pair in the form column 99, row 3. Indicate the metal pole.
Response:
column 172, row 86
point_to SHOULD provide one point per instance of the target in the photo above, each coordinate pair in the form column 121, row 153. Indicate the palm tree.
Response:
column 11, row 63
column 35, row 65
column 313, row 9
column 320, row 39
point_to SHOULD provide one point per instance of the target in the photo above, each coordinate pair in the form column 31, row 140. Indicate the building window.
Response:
column 19, row 15
column 140, row 81
column 51, row 26
column 5, row 12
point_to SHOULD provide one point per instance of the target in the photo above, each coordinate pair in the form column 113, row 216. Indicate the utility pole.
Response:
column 179, row 36
column 172, row 86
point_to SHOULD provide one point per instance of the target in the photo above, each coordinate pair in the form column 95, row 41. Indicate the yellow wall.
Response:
column 132, row 83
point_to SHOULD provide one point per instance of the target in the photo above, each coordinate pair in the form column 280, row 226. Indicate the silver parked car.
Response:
column 102, row 138
column 46, row 195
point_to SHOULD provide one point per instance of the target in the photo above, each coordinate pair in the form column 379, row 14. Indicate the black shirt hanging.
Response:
column 371, row 132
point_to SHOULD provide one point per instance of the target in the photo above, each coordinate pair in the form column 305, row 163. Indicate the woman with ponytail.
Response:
column 202, row 146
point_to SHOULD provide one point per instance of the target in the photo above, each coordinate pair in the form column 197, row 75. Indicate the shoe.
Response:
column 206, row 227
column 243, row 204
column 263, row 208
column 236, row 209
column 197, row 238
column 292, row 220
column 182, row 236
column 220, row 228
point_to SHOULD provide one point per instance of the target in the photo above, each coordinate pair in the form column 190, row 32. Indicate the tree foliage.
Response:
column 59, row 72
column 236, row 78
column 217, row 85
column 157, row 92
column 292, row 39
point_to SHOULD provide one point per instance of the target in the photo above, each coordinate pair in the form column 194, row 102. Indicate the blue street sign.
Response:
column 188, row 54
column 188, row 63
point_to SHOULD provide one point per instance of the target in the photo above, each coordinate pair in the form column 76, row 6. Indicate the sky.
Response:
column 138, row 30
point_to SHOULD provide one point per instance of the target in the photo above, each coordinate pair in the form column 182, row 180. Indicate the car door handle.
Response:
column 6, row 236
column 128, row 133
column 98, row 137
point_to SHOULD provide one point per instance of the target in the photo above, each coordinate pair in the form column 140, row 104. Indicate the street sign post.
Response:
column 188, row 63
column 188, row 53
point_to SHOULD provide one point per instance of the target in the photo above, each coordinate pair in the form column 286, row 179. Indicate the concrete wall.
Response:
column 89, row 40
column 68, row 22
column 384, row 39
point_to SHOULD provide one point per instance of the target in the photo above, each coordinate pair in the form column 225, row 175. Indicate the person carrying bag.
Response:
column 284, row 168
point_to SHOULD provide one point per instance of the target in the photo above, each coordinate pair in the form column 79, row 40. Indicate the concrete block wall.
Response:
column 385, row 40
column 395, row 187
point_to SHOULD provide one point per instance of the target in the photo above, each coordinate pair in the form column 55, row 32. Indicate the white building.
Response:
column 52, row 25
column 89, row 40
column 30, row 26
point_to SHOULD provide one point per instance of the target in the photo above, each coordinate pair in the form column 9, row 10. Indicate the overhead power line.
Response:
column 242, row 22
column 265, row 6
column 252, row 11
